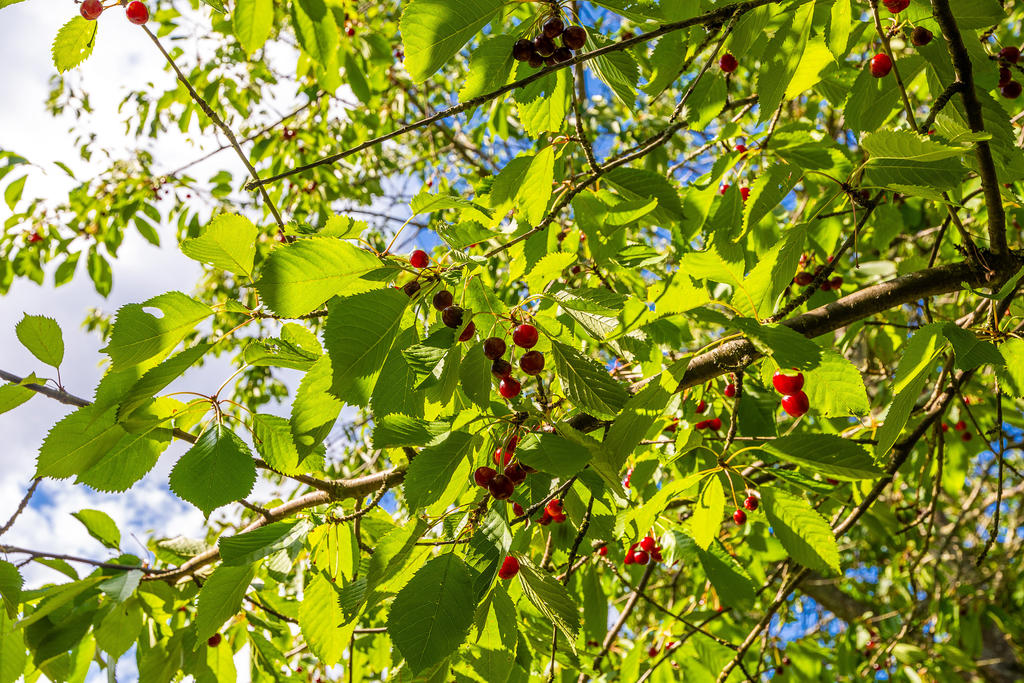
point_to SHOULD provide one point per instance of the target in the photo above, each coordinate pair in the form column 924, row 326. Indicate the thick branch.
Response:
column 986, row 165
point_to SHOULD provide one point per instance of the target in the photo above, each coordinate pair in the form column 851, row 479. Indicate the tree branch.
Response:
column 986, row 165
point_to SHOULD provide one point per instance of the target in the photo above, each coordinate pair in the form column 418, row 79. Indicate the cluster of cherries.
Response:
column 643, row 552
column 502, row 484
column 136, row 11
column 1009, row 88
column 714, row 423
column 543, row 51
column 525, row 336
column 961, row 427
column 750, row 503
column 881, row 63
column 794, row 400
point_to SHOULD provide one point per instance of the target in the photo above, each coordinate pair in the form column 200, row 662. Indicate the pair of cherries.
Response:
column 794, row 400
column 643, row 552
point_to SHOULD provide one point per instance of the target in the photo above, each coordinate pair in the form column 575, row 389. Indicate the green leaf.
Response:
column 535, row 191
column 617, row 69
column 77, row 442
column 272, row 437
column 42, row 337
column 299, row 277
column 543, row 104
column 314, row 409
column 429, row 618
column 138, row 335
column 1011, row 375
column 10, row 585
column 100, row 526
column 435, row 30
column 969, row 351
column 548, row 269
column 783, row 55
column 252, row 21
column 786, row 346
column 122, row 585
column 733, row 585
column 220, row 598
column 74, row 43
column 836, row 388
column 126, row 462
column 217, row 470
column 803, row 532
column 397, row 430
column 360, row 332
column 13, row 192
column 904, row 158
column 319, row 37
column 639, row 183
column 158, row 377
column 425, row 202
column 13, row 395
column 229, row 241
column 475, row 376
column 826, row 454
column 586, row 383
column 431, row 470
column 250, row 546
column 916, row 363
column 119, row 628
column 553, row 454
column 708, row 512
column 490, row 65
column 873, row 100
column 322, row 621
column 551, row 599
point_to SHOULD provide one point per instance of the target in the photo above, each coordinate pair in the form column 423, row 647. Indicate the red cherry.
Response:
column 483, row 476
column 725, row 188
column 714, row 424
column 897, row 6
column 1010, row 54
column 494, row 348
column 468, row 333
column 419, row 259
column 641, row 557
column 214, row 640
column 516, row 472
column 648, row 544
column 544, row 520
column 509, row 568
column 603, row 551
column 35, row 237
column 730, row 390
column 787, row 384
column 751, row 503
column 137, row 12
column 796, row 404
column 502, row 456
column 442, row 300
column 525, row 336
column 1004, row 76
column 91, row 9
column 653, row 651
column 518, row 510
column 501, row 368
column 509, row 387
column 501, row 487
column 740, row 517
column 703, row 424
column 554, row 507
column 511, row 444
column 881, row 65
column 741, row 148
column 960, row 426
column 836, row 282
column 559, row 518
column 728, row 63
column 701, row 407
column 744, row 193
column 945, row 427
column 803, row 278
column 532, row 362
column 966, row 436
column 628, row 559
column 1011, row 90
